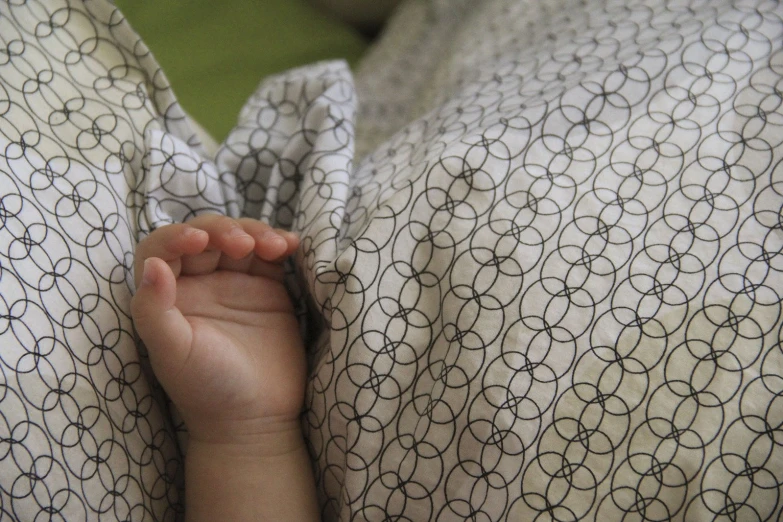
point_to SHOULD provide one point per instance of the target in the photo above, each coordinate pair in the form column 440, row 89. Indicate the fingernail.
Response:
column 192, row 232
column 271, row 237
column 237, row 232
column 147, row 276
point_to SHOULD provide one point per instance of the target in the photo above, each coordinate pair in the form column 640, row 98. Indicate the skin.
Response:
column 224, row 343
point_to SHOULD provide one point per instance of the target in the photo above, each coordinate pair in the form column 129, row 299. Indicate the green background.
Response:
column 215, row 53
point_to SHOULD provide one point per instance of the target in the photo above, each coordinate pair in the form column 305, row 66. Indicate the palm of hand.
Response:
column 246, row 357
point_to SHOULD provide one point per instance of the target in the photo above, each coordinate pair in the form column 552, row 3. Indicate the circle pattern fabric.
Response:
column 561, row 295
column 541, row 263
column 83, row 433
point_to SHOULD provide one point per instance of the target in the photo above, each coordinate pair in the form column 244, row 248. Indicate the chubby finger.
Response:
column 169, row 243
column 202, row 263
column 165, row 332
column 226, row 238
column 225, row 234
column 270, row 244
column 292, row 241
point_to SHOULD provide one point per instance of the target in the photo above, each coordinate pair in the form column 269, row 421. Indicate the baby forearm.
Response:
column 268, row 479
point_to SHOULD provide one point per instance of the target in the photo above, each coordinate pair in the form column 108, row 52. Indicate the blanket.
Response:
column 541, row 264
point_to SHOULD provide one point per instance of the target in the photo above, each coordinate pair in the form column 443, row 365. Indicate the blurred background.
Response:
column 216, row 53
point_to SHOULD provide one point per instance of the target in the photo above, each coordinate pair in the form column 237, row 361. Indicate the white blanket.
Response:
column 542, row 245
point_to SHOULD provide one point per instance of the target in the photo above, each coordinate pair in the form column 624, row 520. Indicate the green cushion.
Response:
column 216, row 53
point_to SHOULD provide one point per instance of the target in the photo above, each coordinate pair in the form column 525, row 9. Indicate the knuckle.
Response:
column 213, row 223
column 253, row 224
column 203, row 219
column 230, row 221
column 154, row 238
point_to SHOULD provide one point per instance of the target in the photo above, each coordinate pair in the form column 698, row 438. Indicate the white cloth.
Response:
column 542, row 241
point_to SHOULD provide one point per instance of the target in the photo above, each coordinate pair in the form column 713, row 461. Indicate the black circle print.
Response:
column 83, row 434
column 544, row 240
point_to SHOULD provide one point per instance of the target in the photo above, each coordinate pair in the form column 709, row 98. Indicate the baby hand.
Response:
column 219, row 325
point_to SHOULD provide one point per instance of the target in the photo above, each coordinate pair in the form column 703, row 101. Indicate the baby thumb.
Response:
column 165, row 332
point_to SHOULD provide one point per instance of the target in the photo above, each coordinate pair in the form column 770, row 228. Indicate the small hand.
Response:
column 219, row 325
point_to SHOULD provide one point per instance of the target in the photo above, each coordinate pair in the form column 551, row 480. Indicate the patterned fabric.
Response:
column 82, row 434
column 542, row 248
